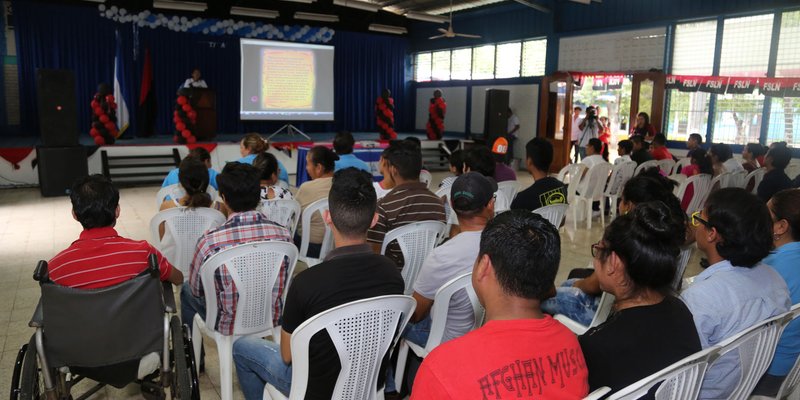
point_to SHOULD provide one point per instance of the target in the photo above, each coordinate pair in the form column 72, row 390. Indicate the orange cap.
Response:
column 500, row 146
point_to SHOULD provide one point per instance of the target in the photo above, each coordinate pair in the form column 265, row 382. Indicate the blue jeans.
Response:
column 573, row 303
column 191, row 305
column 415, row 333
column 259, row 362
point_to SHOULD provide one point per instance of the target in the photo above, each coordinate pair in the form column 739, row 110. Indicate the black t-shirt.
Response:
column 543, row 192
column 641, row 156
column 774, row 181
column 348, row 274
column 637, row 342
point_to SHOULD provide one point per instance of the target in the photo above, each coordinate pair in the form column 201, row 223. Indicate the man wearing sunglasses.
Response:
column 736, row 291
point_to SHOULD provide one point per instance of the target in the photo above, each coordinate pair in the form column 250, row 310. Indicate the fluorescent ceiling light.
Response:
column 316, row 17
column 426, row 17
column 397, row 30
column 179, row 5
column 361, row 5
column 254, row 12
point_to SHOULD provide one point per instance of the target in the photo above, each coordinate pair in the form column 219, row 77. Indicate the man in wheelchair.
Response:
column 106, row 312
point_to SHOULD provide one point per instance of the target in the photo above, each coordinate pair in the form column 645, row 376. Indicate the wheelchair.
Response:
column 115, row 336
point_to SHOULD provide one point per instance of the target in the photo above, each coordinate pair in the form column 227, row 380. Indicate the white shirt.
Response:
column 732, row 165
column 590, row 132
column 513, row 122
column 592, row 160
column 191, row 83
column 576, row 131
column 380, row 191
column 622, row 159
column 455, row 257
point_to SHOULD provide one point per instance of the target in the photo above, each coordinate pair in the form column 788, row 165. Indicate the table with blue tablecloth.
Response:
column 369, row 154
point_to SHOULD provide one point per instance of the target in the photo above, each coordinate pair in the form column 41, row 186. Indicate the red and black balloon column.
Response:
column 184, row 117
column 104, row 117
column 384, row 115
column 436, row 112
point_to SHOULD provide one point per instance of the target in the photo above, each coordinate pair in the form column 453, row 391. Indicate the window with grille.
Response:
column 693, row 51
column 440, row 69
column 784, row 121
column 483, row 62
column 738, row 118
column 461, row 64
column 534, row 54
column 688, row 113
column 745, row 46
column 788, row 62
column 422, row 67
column 508, row 60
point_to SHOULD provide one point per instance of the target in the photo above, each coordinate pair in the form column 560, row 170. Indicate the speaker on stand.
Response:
column 495, row 117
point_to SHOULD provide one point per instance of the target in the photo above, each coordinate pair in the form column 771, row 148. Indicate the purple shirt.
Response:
column 504, row 173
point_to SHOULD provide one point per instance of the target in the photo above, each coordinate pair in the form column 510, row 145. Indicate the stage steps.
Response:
column 139, row 169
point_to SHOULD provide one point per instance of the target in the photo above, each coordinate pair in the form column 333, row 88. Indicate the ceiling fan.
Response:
column 449, row 32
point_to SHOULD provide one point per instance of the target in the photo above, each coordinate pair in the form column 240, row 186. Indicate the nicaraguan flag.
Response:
column 120, row 90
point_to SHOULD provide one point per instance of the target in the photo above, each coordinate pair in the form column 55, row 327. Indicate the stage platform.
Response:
column 18, row 166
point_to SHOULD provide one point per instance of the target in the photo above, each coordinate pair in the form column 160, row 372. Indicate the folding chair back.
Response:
column 789, row 387
column 425, row 177
column 666, row 165
column 678, row 167
column 501, row 202
column 553, row 213
column 441, row 308
column 319, row 207
column 183, row 227
column 701, row 184
column 416, row 241
column 646, row 165
column 509, row 189
column 285, row 212
column 620, row 174
column 753, row 179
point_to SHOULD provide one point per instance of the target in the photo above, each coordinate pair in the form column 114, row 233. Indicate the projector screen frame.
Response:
column 289, row 116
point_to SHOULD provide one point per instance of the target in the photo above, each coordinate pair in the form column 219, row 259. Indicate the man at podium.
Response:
column 195, row 81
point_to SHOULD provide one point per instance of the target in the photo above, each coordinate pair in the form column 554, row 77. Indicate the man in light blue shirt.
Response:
column 736, row 291
column 202, row 155
column 343, row 146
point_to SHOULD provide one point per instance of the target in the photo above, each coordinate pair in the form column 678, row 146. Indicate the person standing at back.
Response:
column 343, row 146
column 511, row 132
column 519, row 352
column 409, row 201
column 575, row 134
column 545, row 189
column 590, row 129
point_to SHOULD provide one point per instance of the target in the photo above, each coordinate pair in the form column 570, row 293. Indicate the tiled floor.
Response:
column 34, row 228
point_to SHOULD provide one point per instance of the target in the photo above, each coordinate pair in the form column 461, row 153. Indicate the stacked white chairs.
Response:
column 620, row 175
column 254, row 268
column 425, row 177
column 363, row 332
column 182, row 228
column 646, row 165
column 509, row 189
column 601, row 315
column 701, row 186
column 416, row 240
column 590, row 190
column 175, row 191
column 791, row 384
column 317, row 207
column 678, row 167
column 554, row 213
column 666, row 165
column 439, row 313
column 680, row 381
column 285, row 212
column 754, row 179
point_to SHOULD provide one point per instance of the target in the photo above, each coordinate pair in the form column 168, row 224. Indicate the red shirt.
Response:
column 661, row 153
column 101, row 258
column 528, row 358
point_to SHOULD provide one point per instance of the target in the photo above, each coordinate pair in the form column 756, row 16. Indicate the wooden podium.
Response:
column 204, row 102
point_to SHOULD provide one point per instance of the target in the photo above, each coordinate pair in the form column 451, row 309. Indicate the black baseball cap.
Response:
column 472, row 191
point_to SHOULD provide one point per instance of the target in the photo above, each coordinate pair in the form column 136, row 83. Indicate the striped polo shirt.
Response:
column 406, row 203
column 102, row 258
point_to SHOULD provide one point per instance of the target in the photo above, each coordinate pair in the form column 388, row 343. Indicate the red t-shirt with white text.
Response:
column 516, row 359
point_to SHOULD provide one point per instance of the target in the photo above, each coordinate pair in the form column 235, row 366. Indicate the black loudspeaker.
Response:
column 58, row 113
column 59, row 167
column 495, row 118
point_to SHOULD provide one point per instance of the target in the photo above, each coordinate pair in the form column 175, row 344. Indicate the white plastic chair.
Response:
column 755, row 177
column 183, row 227
column 450, row 216
column 620, row 174
column 701, row 184
column 679, row 381
column 754, row 348
column 318, row 206
column 591, row 189
column 285, row 212
column 683, row 260
column 646, row 165
column 600, row 316
column 425, row 177
column 175, row 191
column 682, row 163
column 666, row 165
column 570, row 170
column 509, row 189
column 598, row 394
column 439, row 314
column 553, row 213
column 416, row 241
column 789, row 387
column 737, row 179
column 255, row 269
column 362, row 331
column 501, row 202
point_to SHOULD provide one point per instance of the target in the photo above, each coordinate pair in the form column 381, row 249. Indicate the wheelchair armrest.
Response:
column 38, row 316
column 40, row 272
column 169, row 298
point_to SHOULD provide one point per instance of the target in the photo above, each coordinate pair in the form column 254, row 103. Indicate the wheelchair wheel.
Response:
column 184, row 381
column 15, row 389
column 32, row 380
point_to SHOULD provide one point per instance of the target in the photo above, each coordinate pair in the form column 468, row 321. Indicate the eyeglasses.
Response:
column 696, row 220
column 596, row 249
